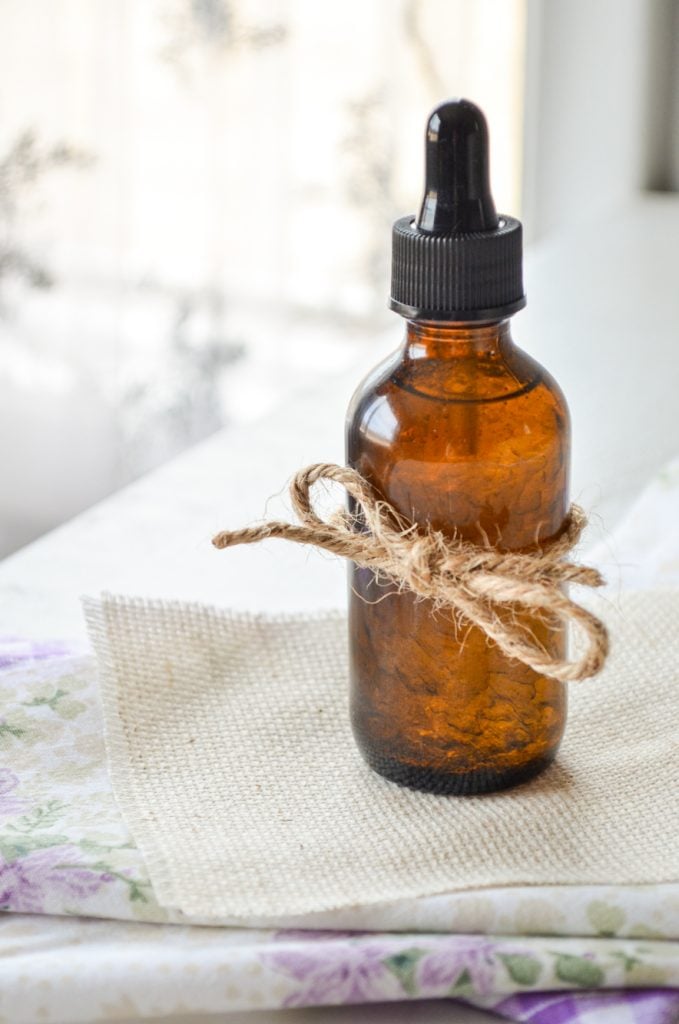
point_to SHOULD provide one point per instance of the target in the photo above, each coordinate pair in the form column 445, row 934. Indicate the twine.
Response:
column 477, row 582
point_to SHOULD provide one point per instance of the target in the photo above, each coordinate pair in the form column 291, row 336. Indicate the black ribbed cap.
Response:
column 458, row 260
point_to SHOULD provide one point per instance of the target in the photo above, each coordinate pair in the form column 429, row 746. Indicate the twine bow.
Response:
column 475, row 581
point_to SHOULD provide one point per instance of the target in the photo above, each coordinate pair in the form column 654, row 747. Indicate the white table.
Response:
column 603, row 316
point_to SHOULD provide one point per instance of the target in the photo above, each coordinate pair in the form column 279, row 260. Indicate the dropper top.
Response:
column 457, row 260
column 457, row 197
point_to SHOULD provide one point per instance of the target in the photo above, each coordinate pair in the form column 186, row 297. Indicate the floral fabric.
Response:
column 84, row 970
column 646, row 1006
column 64, row 848
column 604, row 954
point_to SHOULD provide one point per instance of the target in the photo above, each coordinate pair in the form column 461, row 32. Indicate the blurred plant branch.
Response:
column 180, row 403
column 219, row 26
column 22, row 167
column 369, row 181
column 414, row 34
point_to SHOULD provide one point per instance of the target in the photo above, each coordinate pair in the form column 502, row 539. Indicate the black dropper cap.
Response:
column 458, row 260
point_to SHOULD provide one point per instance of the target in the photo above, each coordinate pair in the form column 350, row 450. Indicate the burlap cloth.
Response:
column 233, row 762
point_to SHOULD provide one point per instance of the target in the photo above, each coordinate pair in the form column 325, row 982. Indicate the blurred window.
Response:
column 196, row 200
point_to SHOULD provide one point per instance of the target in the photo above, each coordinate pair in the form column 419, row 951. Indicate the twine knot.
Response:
column 475, row 581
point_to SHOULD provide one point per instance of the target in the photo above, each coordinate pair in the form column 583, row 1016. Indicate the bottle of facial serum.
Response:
column 463, row 431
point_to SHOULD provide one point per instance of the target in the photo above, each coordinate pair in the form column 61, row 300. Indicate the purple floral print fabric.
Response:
column 65, row 850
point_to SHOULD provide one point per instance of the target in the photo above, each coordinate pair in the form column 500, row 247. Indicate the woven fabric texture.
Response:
column 232, row 760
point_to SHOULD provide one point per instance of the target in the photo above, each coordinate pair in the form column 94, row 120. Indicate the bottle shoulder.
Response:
column 374, row 385
column 400, row 388
column 466, row 446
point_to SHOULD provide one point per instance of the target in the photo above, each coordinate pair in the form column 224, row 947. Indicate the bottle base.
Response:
column 443, row 783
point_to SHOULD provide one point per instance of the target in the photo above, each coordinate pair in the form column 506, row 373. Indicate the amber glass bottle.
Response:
column 463, row 431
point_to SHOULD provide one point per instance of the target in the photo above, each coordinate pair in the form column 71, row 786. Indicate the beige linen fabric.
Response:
column 233, row 762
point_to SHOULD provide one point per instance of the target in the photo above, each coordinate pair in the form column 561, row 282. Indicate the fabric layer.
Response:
column 65, row 849
column 233, row 763
column 54, row 970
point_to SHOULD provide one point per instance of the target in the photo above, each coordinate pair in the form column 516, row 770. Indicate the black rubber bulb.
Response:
column 457, row 197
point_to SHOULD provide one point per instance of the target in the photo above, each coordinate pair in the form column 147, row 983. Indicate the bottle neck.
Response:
column 440, row 339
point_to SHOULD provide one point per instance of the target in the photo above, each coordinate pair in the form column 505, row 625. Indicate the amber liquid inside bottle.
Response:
column 461, row 430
